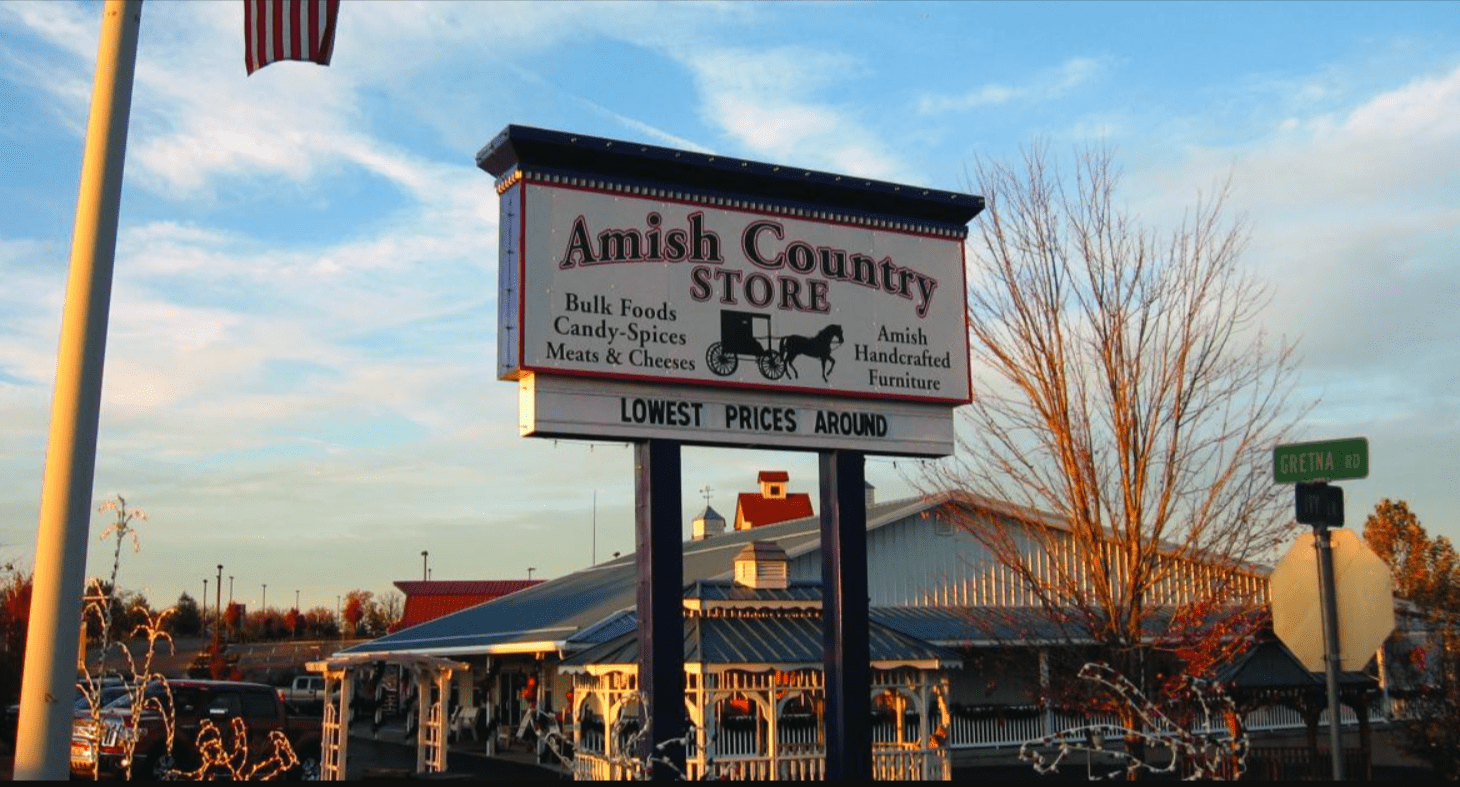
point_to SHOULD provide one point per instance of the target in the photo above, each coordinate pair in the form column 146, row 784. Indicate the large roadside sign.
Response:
column 1328, row 460
column 559, row 406
column 646, row 292
column 629, row 286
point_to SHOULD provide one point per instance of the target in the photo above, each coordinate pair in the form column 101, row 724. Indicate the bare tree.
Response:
column 1126, row 405
column 391, row 606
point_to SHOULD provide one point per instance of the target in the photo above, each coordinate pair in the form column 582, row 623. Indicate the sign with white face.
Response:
column 558, row 406
column 636, row 287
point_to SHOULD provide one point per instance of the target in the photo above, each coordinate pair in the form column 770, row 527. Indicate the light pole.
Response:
column 264, row 602
column 230, row 588
column 204, row 614
column 218, row 611
column 296, row 599
column 425, row 573
column 530, row 569
column 339, row 619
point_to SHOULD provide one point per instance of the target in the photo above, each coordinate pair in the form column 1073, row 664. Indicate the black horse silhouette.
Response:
column 818, row 346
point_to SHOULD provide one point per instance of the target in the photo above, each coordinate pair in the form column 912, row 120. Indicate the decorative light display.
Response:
column 1162, row 745
column 228, row 757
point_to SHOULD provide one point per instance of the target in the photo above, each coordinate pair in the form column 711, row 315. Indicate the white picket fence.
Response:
column 801, row 756
column 1025, row 725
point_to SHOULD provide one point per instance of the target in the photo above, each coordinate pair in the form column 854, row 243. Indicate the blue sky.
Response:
column 299, row 379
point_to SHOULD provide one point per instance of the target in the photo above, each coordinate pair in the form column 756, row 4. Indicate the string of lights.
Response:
column 1216, row 754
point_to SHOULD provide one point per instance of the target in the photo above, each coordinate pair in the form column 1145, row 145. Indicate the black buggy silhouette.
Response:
column 738, row 338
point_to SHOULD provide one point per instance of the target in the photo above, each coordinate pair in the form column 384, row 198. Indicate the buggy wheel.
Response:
column 772, row 365
column 721, row 362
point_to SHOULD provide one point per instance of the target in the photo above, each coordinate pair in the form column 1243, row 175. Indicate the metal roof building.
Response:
column 573, row 611
column 930, row 581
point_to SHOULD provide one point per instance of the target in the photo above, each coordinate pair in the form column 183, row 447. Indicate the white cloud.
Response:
column 1423, row 108
column 1047, row 85
column 766, row 102
column 1355, row 217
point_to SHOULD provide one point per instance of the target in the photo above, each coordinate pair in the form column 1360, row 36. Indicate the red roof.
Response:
column 428, row 600
column 758, row 511
column 450, row 587
column 772, row 476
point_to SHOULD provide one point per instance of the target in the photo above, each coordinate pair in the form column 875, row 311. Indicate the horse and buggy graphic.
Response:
column 748, row 335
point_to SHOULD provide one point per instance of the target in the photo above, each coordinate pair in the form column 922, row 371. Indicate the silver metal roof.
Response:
column 781, row 641
column 596, row 604
column 720, row 590
column 547, row 616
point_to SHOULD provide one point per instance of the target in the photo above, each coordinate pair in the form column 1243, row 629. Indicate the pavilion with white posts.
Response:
column 755, row 696
column 431, row 677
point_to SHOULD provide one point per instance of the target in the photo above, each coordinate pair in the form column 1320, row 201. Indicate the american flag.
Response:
column 288, row 30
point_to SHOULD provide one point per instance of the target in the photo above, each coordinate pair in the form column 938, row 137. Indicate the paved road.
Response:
column 370, row 759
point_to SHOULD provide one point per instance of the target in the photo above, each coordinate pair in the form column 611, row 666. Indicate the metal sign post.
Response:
column 660, row 599
column 1321, row 506
column 1331, row 653
column 1310, row 466
column 845, row 631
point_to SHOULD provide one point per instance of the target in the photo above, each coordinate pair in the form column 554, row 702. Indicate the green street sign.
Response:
column 1330, row 460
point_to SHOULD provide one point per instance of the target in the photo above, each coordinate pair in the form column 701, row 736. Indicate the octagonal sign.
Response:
column 1365, row 601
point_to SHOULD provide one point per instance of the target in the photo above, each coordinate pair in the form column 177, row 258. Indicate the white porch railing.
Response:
column 807, row 766
column 735, row 743
column 969, row 732
column 910, row 765
column 889, row 765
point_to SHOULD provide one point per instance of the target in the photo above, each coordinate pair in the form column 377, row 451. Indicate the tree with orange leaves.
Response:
column 15, row 588
column 1426, row 571
column 1425, row 663
column 357, row 606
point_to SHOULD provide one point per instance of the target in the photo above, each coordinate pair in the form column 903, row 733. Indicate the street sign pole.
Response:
column 1368, row 606
column 1329, row 593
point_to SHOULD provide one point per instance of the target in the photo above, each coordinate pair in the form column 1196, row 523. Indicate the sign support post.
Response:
column 1329, row 594
column 1309, row 467
column 1321, row 506
column 660, row 570
column 845, row 630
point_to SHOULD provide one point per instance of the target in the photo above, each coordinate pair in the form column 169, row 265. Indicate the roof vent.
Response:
column 762, row 565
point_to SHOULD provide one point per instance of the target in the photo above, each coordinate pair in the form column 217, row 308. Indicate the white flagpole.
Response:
column 42, row 748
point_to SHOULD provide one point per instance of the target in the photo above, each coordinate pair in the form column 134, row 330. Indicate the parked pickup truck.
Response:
column 306, row 692
column 98, row 748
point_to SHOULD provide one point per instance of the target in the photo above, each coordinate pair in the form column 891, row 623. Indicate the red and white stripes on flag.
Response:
column 288, row 30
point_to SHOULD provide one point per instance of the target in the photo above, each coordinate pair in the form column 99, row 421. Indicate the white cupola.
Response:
column 762, row 565
column 707, row 524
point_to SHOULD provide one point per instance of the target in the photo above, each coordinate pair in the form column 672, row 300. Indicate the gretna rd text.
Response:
column 750, row 418
column 763, row 243
column 1315, row 462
